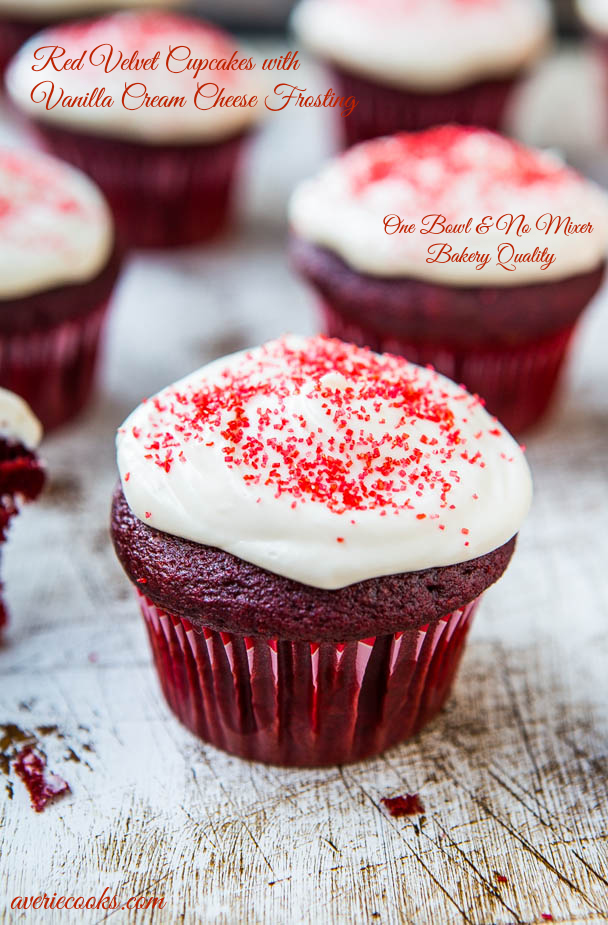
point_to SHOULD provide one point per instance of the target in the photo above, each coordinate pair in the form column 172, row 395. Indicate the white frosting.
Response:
column 594, row 13
column 428, row 45
column 17, row 421
column 325, row 463
column 146, row 34
column 459, row 173
column 55, row 227
column 46, row 11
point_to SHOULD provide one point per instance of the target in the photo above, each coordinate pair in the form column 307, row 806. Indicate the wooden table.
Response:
column 513, row 774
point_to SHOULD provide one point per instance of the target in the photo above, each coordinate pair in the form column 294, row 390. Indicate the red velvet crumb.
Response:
column 409, row 804
column 30, row 767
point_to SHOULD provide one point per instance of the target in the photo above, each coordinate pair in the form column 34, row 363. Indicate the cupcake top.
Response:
column 594, row 14
column 138, row 119
column 427, row 45
column 43, row 10
column 17, row 421
column 466, row 177
column 324, row 463
column 55, row 227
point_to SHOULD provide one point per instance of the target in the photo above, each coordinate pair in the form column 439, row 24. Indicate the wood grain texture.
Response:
column 513, row 774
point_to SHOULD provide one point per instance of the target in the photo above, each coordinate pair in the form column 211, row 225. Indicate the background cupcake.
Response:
column 503, row 333
column 416, row 63
column 309, row 527
column 58, row 266
column 21, row 472
column 167, row 171
column 19, row 19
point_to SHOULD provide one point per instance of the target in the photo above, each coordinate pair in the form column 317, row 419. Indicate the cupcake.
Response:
column 19, row 19
column 21, row 472
column 416, row 63
column 166, row 167
column 416, row 244
column 58, row 266
column 309, row 527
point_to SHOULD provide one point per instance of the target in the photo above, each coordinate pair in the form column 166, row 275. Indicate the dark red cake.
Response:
column 21, row 480
column 264, row 508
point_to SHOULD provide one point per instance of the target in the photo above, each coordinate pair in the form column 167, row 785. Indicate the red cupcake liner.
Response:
column 53, row 368
column 516, row 381
column 384, row 110
column 162, row 196
column 305, row 704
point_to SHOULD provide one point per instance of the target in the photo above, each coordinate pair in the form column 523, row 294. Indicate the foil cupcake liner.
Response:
column 384, row 110
column 53, row 368
column 304, row 704
column 161, row 196
column 517, row 382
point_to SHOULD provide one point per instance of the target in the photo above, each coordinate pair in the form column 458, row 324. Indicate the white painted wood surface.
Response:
column 514, row 772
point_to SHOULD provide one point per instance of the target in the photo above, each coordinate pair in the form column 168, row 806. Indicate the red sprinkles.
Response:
column 351, row 464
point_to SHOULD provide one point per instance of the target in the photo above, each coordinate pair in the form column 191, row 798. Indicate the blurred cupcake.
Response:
column 58, row 266
column 416, row 63
column 166, row 169
column 19, row 19
column 21, row 472
column 442, row 296
column 309, row 527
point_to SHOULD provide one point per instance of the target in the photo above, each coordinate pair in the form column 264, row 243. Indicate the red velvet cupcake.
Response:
column 309, row 527
column 21, row 472
column 167, row 167
column 412, row 64
column 58, row 266
column 411, row 243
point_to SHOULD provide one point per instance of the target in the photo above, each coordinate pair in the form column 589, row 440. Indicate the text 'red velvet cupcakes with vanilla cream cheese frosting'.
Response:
column 490, row 307
column 58, row 267
column 309, row 527
column 166, row 168
column 416, row 63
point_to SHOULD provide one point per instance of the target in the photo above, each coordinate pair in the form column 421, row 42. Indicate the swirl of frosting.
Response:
column 55, row 226
column 428, row 45
column 325, row 463
column 143, row 33
column 18, row 422
column 458, row 173
column 594, row 14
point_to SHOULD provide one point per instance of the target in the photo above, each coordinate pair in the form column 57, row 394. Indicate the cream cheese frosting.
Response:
column 55, row 226
column 461, row 174
column 17, row 421
column 145, row 33
column 427, row 45
column 43, row 10
column 325, row 463
column 594, row 14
